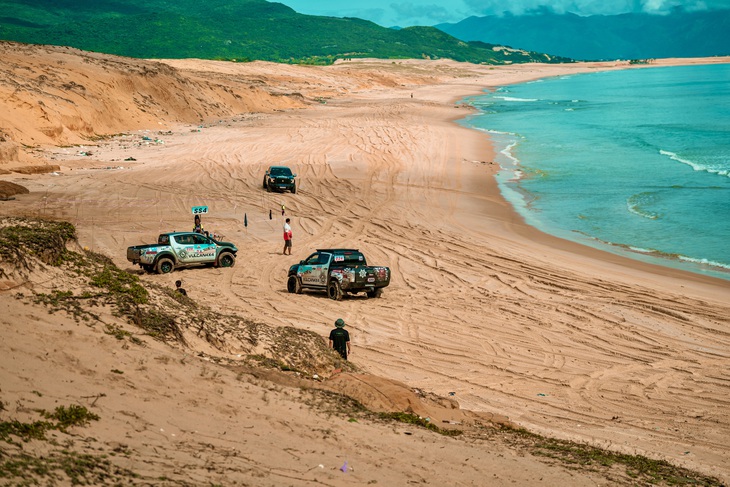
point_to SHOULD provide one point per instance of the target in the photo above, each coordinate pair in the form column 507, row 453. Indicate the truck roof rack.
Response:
column 337, row 250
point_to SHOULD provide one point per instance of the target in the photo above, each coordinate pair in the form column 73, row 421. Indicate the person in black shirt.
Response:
column 340, row 339
column 179, row 288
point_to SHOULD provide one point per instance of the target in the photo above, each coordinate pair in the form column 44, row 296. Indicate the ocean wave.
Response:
column 513, row 98
column 637, row 204
column 718, row 266
column 517, row 175
column 696, row 165
column 706, row 262
column 507, row 152
column 492, row 131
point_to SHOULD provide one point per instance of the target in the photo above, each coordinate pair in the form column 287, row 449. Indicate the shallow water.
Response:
column 636, row 161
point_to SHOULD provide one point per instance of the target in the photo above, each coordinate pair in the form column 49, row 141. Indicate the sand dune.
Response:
column 562, row 339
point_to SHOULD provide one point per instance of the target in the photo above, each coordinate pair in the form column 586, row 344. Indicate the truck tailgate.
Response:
column 133, row 253
column 381, row 276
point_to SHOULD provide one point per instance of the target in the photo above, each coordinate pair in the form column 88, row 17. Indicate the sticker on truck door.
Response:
column 313, row 275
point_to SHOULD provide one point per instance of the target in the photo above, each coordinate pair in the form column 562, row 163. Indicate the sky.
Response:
column 406, row 13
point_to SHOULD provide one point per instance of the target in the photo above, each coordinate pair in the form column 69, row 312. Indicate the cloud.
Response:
column 376, row 15
column 425, row 14
column 590, row 7
column 431, row 12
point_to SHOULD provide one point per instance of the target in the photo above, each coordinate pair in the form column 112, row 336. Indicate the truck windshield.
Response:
column 280, row 171
column 318, row 259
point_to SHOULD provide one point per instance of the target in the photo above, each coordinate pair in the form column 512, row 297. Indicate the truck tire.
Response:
column 264, row 186
column 267, row 186
column 294, row 285
column 294, row 189
column 375, row 293
column 165, row 266
column 226, row 259
column 334, row 290
column 148, row 268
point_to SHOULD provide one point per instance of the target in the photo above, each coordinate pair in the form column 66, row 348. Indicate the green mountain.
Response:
column 624, row 36
column 240, row 30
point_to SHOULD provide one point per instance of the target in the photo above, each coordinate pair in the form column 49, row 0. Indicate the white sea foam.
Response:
column 507, row 152
column 496, row 132
column 516, row 176
column 513, row 98
column 664, row 255
column 636, row 205
column 636, row 210
column 706, row 262
column 694, row 165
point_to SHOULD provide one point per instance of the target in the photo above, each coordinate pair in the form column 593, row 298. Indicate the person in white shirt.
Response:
column 287, row 237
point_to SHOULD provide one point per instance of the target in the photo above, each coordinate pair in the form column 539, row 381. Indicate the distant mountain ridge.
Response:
column 239, row 30
column 625, row 36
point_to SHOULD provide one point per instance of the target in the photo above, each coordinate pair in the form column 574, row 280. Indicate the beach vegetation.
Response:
column 27, row 466
column 416, row 420
column 22, row 240
column 61, row 418
column 236, row 30
column 73, row 415
column 621, row 468
column 75, row 468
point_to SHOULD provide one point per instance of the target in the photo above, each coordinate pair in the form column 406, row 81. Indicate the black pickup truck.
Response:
column 338, row 271
column 280, row 178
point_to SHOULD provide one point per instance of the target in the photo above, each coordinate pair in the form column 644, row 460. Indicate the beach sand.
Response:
column 562, row 339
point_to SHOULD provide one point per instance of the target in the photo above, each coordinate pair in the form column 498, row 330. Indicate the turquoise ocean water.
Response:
column 636, row 162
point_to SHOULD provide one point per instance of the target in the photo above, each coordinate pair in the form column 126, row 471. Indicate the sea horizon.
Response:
column 635, row 162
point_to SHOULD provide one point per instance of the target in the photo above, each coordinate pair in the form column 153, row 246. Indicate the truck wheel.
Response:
column 334, row 290
column 375, row 293
column 294, row 189
column 294, row 285
column 267, row 186
column 165, row 266
column 264, row 186
column 147, row 268
column 226, row 260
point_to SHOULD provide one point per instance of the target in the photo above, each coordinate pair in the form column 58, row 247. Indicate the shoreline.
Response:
column 520, row 227
column 651, row 257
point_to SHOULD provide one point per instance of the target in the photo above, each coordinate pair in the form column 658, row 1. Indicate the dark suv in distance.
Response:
column 280, row 178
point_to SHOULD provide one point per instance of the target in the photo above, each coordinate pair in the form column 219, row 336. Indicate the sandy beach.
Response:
column 508, row 322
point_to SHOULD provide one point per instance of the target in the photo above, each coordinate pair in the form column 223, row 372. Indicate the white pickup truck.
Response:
column 182, row 249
